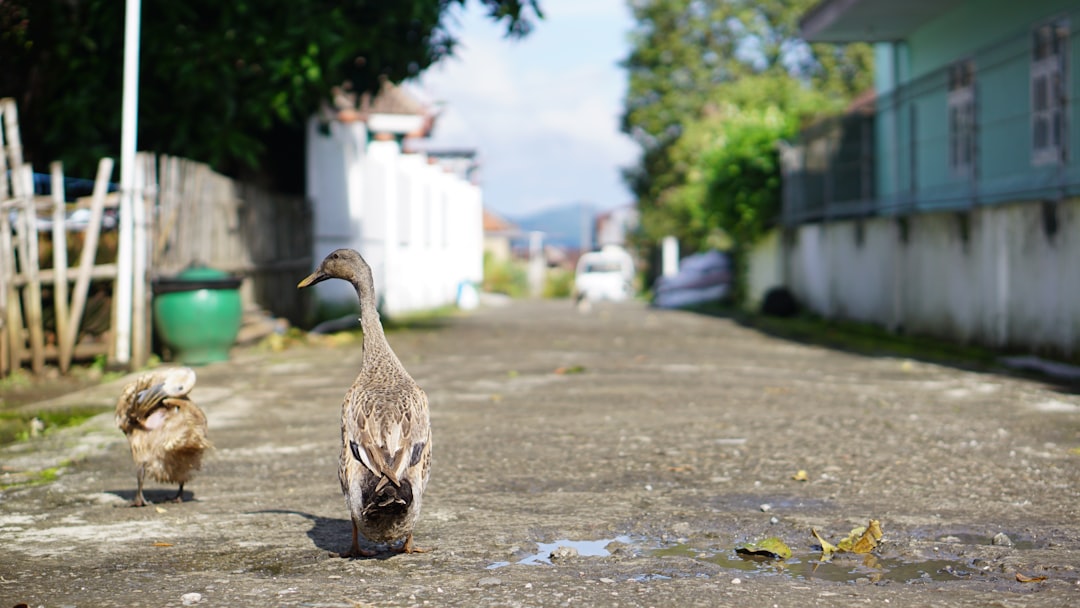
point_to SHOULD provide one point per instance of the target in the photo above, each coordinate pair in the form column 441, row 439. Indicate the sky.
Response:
column 543, row 111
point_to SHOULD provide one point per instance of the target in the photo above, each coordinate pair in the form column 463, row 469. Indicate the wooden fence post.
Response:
column 89, row 251
column 27, row 236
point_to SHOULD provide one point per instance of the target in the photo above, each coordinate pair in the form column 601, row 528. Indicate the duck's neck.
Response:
column 377, row 350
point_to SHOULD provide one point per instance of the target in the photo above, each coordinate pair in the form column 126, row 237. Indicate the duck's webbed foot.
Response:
column 409, row 547
column 139, row 501
column 355, row 551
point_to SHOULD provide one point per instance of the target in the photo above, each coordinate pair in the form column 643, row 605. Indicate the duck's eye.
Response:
column 334, row 256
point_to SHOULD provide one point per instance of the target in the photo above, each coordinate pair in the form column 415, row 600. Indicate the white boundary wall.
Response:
column 1002, row 276
column 419, row 226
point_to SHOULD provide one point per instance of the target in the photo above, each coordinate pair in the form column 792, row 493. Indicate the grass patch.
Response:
column 26, row 479
column 868, row 339
column 508, row 277
column 425, row 319
column 20, row 426
column 861, row 338
column 558, row 283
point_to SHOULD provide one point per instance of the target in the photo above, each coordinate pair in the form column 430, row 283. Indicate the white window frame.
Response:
column 1049, row 131
column 962, row 122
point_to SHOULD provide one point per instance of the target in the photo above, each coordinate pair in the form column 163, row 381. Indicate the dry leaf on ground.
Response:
column 769, row 547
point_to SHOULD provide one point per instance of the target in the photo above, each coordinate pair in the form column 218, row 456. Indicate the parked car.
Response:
column 702, row 278
column 607, row 274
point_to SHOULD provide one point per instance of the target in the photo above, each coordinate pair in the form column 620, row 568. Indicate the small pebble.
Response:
column 191, row 598
column 489, row 581
column 1002, row 539
column 736, row 581
column 773, row 520
column 607, row 580
column 765, row 508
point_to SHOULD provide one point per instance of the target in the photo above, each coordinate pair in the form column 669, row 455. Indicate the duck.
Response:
column 166, row 431
column 385, row 457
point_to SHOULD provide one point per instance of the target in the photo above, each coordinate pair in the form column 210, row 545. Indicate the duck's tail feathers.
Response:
column 387, row 499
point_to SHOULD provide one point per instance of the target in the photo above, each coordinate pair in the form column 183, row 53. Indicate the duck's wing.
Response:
column 387, row 431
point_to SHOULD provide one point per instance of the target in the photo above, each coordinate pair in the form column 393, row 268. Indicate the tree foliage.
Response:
column 220, row 82
column 712, row 85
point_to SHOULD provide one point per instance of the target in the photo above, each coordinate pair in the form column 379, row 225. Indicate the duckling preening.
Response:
column 165, row 429
column 385, row 429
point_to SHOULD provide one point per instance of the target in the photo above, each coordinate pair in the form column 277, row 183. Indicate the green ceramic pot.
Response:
column 197, row 314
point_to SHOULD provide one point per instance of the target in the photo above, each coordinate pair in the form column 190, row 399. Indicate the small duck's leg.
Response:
column 355, row 551
column 409, row 547
column 140, row 473
column 179, row 494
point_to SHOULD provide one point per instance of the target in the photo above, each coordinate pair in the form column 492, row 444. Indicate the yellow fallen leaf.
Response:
column 863, row 539
column 874, row 528
column 865, row 544
column 769, row 547
column 1023, row 578
column 827, row 548
column 1075, row 451
column 160, row 510
column 849, row 541
column 800, row 475
column 160, row 544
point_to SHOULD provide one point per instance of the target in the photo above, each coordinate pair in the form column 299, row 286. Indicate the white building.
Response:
column 415, row 217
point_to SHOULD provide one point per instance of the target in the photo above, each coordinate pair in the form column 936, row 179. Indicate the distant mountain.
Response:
column 565, row 225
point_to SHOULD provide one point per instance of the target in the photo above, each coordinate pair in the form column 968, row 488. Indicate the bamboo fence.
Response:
column 187, row 215
column 205, row 218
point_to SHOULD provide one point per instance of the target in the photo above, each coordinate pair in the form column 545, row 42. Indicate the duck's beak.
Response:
column 313, row 278
column 149, row 398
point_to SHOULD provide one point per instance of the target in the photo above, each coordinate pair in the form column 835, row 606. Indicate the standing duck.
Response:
column 385, row 429
column 166, row 431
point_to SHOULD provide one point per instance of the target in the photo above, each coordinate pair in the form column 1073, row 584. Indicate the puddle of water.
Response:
column 978, row 539
column 642, row 578
column 842, row 569
column 584, row 548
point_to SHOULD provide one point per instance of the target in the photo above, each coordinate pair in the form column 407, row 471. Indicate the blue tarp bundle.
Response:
column 74, row 187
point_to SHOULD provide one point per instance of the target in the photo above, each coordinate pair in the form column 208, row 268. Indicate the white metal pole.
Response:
column 128, row 143
column 670, row 256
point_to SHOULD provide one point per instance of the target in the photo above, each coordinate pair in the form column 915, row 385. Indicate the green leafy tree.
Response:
column 229, row 83
column 696, row 63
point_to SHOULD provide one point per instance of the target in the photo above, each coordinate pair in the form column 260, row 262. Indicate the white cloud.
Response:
column 543, row 111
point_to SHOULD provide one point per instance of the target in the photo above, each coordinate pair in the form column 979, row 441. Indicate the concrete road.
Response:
column 641, row 447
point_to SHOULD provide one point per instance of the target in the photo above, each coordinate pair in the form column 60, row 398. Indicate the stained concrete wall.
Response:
column 1003, row 276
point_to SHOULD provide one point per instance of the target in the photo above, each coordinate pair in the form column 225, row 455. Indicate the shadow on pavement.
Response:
column 330, row 534
column 154, row 497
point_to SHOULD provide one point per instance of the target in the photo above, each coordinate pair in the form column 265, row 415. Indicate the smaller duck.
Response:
column 166, row 431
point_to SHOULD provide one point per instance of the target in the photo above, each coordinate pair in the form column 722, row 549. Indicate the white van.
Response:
column 607, row 274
